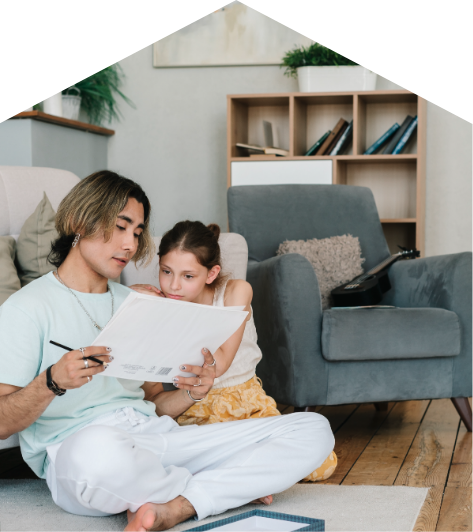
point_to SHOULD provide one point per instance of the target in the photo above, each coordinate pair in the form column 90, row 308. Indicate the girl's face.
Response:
column 183, row 278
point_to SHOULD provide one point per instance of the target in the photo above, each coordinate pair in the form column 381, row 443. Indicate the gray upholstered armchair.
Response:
column 421, row 350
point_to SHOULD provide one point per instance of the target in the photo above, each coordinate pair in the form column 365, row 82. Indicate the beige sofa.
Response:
column 22, row 188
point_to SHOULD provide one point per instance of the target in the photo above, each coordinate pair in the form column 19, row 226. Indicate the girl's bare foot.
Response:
column 160, row 516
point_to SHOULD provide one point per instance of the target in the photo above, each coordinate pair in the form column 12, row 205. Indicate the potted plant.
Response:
column 71, row 103
column 319, row 69
column 99, row 94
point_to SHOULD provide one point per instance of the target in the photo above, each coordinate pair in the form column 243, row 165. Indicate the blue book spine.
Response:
column 383, row 139
column 403, row 140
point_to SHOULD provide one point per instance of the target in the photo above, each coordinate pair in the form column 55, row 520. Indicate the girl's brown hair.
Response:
column 198, row 239
column 92, row 206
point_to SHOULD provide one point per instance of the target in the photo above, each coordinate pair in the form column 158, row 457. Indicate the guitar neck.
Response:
column 384, row 264
column 376, row 269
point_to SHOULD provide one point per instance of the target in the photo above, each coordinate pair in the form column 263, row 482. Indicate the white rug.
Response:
column 26, row 505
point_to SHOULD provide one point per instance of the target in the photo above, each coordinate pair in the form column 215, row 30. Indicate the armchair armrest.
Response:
column 444, row 282
column 287, row 310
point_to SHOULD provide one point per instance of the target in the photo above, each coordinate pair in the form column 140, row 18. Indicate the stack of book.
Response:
column 395, row 138
column 335, row 141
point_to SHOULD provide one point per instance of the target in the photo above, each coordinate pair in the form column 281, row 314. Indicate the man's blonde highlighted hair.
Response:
column 91, row 208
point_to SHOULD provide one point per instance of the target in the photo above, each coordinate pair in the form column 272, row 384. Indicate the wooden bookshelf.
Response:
column 397, row 181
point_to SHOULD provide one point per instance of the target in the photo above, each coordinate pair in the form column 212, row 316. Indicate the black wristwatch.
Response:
column 51, row 384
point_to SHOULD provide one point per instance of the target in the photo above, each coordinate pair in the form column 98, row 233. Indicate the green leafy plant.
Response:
column 313, row 55
column 99, row 94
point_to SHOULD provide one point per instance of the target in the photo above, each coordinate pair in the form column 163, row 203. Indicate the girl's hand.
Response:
column 200, row 385
column 147, row 289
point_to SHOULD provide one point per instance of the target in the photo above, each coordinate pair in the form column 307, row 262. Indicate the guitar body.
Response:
column 369, row 292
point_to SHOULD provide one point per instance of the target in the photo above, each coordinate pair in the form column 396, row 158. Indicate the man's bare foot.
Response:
column 263, row 500
column 160, row 516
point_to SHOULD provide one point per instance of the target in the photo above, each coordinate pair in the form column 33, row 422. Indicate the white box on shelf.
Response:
column 281, row 172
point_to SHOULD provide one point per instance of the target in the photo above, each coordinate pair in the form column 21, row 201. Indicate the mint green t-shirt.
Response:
column 45, row 310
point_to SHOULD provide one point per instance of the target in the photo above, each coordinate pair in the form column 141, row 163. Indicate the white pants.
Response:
column 125, row 459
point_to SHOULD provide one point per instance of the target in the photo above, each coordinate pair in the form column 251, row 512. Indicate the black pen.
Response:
column 70, row 349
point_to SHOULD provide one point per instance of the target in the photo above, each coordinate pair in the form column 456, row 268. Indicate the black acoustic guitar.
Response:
column 368, row 289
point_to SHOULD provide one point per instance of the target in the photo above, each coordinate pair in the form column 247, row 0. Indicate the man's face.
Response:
column 109, row 258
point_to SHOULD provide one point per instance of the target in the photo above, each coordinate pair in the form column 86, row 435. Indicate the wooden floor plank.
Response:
column 455, row 514
column 428, row 461
column 460, row 470
column 353, row 436
column 337, row 415
column 380, row 462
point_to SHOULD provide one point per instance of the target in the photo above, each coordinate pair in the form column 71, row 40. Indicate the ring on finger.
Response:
column 213, row 363
column 200, row 382
column 82, row 350
column 86, row 362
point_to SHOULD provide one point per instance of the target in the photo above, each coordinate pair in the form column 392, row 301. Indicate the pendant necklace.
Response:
column 83, row 308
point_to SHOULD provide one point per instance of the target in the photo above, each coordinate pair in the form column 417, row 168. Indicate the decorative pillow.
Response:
column 34, row 243
column 9, row 281
column 336, row 260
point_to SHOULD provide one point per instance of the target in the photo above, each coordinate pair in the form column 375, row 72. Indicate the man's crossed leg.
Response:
column 163, row 478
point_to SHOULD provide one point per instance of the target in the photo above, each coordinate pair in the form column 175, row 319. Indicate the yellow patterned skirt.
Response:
column 244, row 401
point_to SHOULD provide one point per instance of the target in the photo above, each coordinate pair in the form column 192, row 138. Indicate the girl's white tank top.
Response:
column 248, row 355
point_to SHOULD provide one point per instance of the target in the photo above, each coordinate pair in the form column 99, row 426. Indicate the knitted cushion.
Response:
column 336, row 260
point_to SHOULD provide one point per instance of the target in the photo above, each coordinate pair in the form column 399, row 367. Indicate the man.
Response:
column 107, row 445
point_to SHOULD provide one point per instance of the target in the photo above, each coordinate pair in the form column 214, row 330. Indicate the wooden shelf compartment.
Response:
column 376, row 113
column 315, row 114
column 400, row 234
column 246, row 116
column 393, row 185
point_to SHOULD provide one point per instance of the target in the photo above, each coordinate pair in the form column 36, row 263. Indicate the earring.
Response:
column 76, row 239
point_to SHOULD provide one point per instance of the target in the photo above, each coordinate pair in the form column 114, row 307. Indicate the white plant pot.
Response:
column 335, row 79
column 71, row 106
column 53, row 105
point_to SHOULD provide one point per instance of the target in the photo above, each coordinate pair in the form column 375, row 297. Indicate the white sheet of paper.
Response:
column 152, row 336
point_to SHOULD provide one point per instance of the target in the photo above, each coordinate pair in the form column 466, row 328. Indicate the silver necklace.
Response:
column 83, row 308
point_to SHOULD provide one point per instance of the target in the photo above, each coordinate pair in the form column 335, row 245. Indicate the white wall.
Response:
column 448, row 184
column 174, row 143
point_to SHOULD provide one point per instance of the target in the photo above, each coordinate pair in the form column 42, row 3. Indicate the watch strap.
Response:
column 51, row 384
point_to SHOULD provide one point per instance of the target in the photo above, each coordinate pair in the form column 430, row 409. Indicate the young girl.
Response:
column 190, row 270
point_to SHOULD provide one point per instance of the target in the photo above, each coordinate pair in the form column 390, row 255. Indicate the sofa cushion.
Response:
column 34, row 243
column 336, row 260
column 9, row 281
column 382, row 334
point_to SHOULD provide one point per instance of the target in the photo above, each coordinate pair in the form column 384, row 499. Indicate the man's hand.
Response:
column 71, row 372
column 147, row 289
column 200, row 385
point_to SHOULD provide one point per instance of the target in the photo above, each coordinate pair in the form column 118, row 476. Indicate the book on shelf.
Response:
column 407, row 135
column 397, row 136
column 316, row 146
column 263, row 149
column 268, row 134
column 382, row 140
column 343, row 141
column 333, row 137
